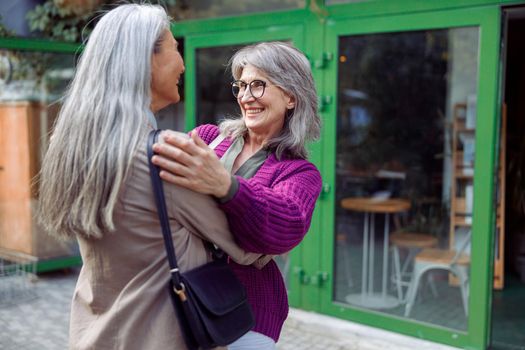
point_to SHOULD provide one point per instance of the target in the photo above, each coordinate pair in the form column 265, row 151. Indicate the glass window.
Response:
column 405, row 164
column 214, row 97
column 31, row 84
column 34, row 76
column 197, row 9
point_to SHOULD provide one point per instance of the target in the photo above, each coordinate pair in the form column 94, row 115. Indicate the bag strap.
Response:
column 158, row 190
column 216, row 252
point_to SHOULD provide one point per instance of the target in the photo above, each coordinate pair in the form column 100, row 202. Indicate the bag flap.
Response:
column 216, row 287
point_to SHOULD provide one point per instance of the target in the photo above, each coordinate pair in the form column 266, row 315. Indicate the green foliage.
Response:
column 4, row 32
column 55, row 23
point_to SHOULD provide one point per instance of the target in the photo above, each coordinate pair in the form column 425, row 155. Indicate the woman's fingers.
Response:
column 189, row 162
column 174, row 179
column 173, row 166
column 198, row 141
column 183, row 142
column 169, row 152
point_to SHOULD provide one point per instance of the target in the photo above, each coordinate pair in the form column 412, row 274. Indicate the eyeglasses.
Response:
column 256, row 88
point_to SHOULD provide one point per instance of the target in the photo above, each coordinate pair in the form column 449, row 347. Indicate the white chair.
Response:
column 412, row 243
column 456, row 262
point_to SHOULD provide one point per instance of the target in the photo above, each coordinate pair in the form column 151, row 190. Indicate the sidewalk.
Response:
column 37, row 318
column 312, row 331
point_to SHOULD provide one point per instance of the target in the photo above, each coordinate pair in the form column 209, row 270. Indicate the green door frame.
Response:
column 488, row 21
column 293, row 25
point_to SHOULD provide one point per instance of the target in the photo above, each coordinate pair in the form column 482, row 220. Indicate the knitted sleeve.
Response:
column 208, row 132
column 274, row 219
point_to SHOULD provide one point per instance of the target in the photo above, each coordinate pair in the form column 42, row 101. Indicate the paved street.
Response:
column 34, row 315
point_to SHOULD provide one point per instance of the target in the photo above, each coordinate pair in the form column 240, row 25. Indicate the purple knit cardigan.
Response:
column 269, row 214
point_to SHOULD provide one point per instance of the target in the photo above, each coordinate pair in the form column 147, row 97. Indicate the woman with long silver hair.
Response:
column 263, row 180
column 95, row 186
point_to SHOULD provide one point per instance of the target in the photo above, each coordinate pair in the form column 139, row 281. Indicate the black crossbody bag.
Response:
column 210, row 301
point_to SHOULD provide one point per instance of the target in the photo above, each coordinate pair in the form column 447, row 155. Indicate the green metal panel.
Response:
column 226, row 24
column 307, row 257
column 484, row 215
column 487, row 19
column 38, row 45
column 389, row 7
column 58, row 263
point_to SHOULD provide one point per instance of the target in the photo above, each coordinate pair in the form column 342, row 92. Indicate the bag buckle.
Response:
column 181, row 292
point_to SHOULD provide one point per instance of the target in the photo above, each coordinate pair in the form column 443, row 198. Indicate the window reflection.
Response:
column 196, row 9
column 214, row 97
column 34, row 76
column 31, row 85
column 404, row 167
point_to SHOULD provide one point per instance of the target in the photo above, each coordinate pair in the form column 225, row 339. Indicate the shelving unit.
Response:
column 462, row 186
column 462, row 177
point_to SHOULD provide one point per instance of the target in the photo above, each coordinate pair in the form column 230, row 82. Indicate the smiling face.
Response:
column 264, row 117
column 166, row 69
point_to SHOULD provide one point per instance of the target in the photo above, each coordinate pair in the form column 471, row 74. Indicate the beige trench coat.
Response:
column 121, row 299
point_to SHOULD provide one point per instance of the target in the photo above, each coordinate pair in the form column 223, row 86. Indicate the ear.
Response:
column 290, row 103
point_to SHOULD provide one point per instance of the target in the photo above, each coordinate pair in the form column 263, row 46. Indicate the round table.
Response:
column 370, row 206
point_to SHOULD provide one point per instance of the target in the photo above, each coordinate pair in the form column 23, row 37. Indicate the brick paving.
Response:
column 35, row 315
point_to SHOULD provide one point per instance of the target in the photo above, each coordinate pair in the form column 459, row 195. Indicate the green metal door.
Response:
column 409, row 148
column 208, row 97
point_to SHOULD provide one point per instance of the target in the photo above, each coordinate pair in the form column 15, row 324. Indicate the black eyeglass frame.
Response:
column 236, row 85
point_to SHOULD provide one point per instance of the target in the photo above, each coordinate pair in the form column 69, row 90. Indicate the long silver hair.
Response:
column 288, row 68
column 100, row 123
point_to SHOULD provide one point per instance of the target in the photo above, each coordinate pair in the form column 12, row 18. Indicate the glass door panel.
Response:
column 208, row 90
column 215, row 101
column 406, row 121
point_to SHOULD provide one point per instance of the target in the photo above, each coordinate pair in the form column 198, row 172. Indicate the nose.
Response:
column 247, row 95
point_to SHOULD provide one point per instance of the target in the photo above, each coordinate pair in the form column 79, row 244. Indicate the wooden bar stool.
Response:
column 413, row 243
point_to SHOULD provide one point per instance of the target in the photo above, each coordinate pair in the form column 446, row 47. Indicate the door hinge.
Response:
column 325, row 189
column 320, row 278
column 322, row 61
column 317, row 279
column 323, row 102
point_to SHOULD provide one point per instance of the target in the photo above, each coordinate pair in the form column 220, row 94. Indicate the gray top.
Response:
column 246, row 171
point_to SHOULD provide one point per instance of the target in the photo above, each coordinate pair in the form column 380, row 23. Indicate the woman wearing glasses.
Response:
column 258, row 171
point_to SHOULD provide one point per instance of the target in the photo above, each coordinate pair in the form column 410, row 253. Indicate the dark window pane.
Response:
column 214, row 97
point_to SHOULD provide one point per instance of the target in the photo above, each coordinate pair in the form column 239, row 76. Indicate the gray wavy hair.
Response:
column 99, row 125
column 287, row 67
